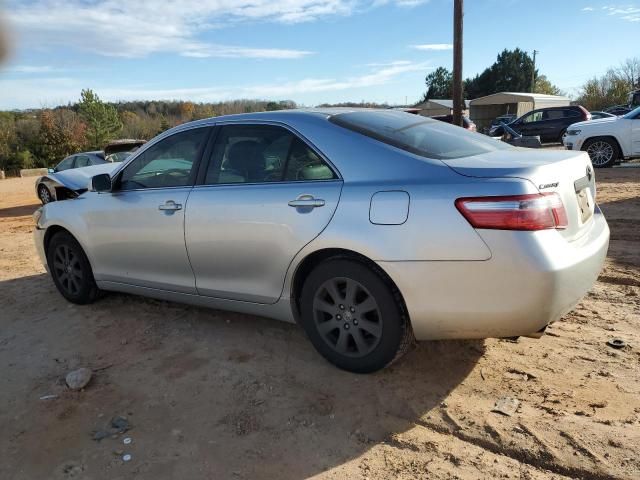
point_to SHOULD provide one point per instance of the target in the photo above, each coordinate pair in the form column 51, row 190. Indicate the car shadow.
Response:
column 623, row 217
column 19, row 211
column 209, row 391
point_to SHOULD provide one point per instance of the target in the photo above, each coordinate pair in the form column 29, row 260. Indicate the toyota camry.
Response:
column 369, row 228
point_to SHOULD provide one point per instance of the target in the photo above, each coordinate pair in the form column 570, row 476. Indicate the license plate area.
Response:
column 585, row 204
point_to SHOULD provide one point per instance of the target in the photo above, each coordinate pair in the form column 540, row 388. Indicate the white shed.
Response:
column 432, row 107
column 484, row 109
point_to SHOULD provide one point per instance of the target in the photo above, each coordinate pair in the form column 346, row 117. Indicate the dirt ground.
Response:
column 210, row 394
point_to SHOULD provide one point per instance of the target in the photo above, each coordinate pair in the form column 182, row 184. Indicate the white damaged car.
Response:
column 607, row 140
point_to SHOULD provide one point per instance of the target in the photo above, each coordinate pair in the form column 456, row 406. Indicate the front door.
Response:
column 530, row 124
column 265, row 196
column 137, row 230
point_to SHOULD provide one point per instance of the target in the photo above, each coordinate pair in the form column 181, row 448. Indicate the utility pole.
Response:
column 458, row 100
column 533, row 72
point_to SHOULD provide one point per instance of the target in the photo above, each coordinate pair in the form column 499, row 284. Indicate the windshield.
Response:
column 421, row 136
column 633, row 114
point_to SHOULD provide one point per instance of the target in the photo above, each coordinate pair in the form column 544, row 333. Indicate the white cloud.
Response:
column 136, row 28
column 31, row 69
column 54, row 91
column 127, row 28
column 630, row 13
column 433, row 46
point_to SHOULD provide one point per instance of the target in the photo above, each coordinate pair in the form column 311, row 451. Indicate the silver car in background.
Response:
column 368, row 227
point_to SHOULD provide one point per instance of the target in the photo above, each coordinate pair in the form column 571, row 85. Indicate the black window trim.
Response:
column 208, row 157
column 197, row 161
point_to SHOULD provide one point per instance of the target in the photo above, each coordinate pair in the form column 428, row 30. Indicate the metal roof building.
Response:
column 484, row 109
column 436, row 106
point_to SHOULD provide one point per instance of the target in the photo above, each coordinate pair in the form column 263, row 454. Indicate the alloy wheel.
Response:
column 347, row 317
column 45, row 195
column 67, row 269
column 601, row 153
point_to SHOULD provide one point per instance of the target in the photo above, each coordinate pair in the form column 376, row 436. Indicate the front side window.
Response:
column 65, row 164
column 532, row 117
column 168, row 163
column 263, row 153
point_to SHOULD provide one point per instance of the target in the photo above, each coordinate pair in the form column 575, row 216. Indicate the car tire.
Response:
column 71, row 270
column 353, row 317
column 44, row 194
column 604, row 152
column 563, row 134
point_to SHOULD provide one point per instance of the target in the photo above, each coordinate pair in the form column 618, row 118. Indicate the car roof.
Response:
column 284, row 115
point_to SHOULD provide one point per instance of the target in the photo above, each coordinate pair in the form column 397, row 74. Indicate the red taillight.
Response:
column 585, row 112
column 538, row 211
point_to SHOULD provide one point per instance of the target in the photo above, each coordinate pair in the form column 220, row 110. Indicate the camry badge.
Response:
column 548, row 185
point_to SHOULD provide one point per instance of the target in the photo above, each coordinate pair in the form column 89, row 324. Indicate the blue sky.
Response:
column 310, row 51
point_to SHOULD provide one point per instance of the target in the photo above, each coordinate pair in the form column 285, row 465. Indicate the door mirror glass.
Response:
column 50, row 170
column 101, row 183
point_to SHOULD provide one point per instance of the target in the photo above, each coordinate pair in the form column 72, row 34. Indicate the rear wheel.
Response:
column 603, row 151
column 353, row 317
column 70, row 269
column 44, row 194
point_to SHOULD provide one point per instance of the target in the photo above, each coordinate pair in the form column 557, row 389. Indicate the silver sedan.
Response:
column 368, row 228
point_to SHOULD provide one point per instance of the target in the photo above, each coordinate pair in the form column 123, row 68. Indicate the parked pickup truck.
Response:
column 608, row 140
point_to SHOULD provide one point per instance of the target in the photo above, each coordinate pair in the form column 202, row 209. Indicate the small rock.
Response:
column 506, row 406
column 78, row 379
column 121, row 424
column 100, row 434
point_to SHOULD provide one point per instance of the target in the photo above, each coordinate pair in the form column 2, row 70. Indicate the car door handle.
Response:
column 170, row 205
column 307, row 201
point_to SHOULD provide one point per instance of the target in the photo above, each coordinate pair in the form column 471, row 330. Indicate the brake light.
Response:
column 585, row 113
column 538, row 211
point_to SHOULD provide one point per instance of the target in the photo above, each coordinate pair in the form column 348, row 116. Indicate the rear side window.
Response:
column 82, row 161
column 556, row 114
column 263, row 153
column 572, row 113
column 418, row 135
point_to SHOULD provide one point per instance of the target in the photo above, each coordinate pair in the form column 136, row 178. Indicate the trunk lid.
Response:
column 568, row 173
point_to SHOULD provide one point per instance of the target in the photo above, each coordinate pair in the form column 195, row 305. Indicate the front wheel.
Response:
column 44, row 194
column 71, row 270
column 602, row 151
column 353, row 317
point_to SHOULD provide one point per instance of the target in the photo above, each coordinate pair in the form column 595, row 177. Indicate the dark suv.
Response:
column 549, row 123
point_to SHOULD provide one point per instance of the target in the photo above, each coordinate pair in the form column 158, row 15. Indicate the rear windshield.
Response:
column 418, row 135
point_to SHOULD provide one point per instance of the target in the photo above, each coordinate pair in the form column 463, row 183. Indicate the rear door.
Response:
column 265, row 195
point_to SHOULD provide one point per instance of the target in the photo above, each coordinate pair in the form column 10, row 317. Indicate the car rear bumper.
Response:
column 531, row 280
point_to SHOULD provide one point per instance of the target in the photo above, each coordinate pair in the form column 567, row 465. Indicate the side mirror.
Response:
column 50, row 170
column 101, row 183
